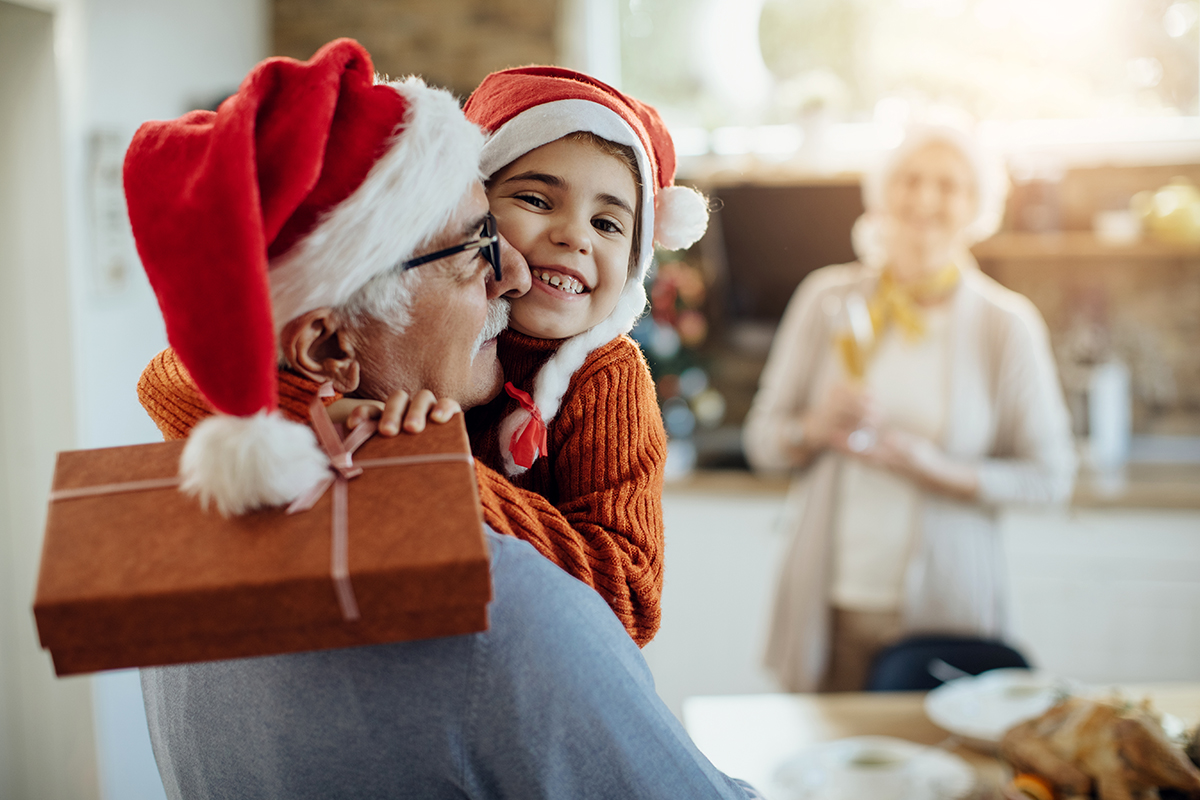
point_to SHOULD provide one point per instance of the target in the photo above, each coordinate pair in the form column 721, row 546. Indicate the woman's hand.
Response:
column 399, row 412
column 921, row 461
column 844, row 410
column 829, row 423
column 901, row 452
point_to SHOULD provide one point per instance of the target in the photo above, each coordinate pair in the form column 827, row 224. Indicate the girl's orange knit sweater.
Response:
column 604, row 472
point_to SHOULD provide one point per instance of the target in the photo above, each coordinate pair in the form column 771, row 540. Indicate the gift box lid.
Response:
column 145, row 565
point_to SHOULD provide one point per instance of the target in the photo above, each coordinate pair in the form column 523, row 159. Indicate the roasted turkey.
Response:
column 1115, row 750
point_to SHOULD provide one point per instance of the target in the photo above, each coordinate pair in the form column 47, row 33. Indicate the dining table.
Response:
column 754, row 736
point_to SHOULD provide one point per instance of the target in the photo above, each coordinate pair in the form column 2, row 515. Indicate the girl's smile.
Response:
column 558, row 280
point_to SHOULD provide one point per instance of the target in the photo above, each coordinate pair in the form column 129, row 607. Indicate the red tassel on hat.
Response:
column 529, row 440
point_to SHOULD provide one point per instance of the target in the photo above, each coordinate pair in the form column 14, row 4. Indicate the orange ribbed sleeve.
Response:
column 607, row 453
column 166, row 391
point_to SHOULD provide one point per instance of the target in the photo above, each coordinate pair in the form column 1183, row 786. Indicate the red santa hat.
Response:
column 311, row 180
column 527, row 107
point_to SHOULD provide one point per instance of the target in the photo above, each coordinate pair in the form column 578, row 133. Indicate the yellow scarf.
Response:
column 902, row 304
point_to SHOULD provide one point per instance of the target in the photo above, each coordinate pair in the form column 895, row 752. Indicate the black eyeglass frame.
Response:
column 488, row 242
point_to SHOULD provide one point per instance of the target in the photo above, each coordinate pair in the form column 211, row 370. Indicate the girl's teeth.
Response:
column 563, row 282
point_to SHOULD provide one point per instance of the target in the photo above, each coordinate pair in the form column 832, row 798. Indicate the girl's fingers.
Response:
column 418, row 411
column 393, row 412
column 444, row 409
column 410, row 413
column 361, row 413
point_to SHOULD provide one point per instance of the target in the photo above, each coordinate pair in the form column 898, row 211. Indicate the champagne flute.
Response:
column 855, row 346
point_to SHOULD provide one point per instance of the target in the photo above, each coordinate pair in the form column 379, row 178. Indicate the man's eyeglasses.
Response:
column 488, row 242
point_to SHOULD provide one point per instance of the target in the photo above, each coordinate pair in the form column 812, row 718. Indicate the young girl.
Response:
column 579, row 179
column 580, row 182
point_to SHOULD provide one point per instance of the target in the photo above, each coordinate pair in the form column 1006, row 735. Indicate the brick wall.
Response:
column 451, row 43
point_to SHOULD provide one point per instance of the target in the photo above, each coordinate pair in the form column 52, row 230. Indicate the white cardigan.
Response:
column 1005, row 414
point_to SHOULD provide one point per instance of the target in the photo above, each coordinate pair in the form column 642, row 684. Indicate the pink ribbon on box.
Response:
column 114, row 488
column 342, row 470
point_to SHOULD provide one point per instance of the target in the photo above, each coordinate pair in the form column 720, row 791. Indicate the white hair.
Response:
column 411, row 194
column 990, row 184
column 498, row 312
column 387, row 298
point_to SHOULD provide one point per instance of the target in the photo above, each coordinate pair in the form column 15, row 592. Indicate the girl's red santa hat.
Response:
column 310, row 181
column 525, row 108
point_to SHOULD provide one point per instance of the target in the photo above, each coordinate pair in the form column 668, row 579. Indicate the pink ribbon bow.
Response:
column 529, row 440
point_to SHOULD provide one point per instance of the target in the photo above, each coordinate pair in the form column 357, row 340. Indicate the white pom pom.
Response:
column 680, row 217
column 243, row 463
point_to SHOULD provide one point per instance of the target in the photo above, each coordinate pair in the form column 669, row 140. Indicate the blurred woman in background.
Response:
column 913, row 396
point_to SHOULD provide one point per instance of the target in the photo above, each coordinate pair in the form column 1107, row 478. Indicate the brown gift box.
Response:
column 143, row 578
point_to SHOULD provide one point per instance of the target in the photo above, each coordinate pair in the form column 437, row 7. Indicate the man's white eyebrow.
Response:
column 473, row 227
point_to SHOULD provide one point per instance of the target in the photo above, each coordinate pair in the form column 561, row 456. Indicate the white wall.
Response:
column 46, row 747
column 589, row 38
column 1107, row 596
column 145, row 60
column 722, row 553
column 80, row 323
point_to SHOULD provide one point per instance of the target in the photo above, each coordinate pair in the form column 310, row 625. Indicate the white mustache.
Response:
column 497, row 321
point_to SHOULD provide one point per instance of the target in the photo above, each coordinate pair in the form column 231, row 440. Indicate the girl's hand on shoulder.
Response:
column 403, row 412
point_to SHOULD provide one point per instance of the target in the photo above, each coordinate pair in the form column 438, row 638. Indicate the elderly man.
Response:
column 339, row 225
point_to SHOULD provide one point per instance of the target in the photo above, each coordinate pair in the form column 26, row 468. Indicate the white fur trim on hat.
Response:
column 243, row 463
column 681, row 217
column 410, row 194
column 550, row 122
column 555, row 375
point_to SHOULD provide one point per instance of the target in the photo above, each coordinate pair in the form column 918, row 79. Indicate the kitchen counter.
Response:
column 1175, row 486
column 1141, row 486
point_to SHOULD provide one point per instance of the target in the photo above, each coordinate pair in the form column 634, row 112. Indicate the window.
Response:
column 766, row 75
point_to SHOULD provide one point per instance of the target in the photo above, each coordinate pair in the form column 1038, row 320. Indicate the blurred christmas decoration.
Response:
column 677, row 295
column 671, row 336
column 1171, row 214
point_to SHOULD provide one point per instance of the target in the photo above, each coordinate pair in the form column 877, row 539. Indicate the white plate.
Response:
column 932, row 774
column 983, row 707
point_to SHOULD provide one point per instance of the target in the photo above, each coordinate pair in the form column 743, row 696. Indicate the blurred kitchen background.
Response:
column 777, row 106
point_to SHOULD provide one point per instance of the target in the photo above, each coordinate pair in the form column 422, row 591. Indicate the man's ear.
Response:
column 319, row 348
